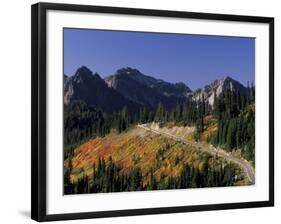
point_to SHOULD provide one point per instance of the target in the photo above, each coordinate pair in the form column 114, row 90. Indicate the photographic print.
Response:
column 139, row 111
column 157, row 111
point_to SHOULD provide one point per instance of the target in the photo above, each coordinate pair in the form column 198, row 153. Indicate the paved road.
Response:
column 245, row 166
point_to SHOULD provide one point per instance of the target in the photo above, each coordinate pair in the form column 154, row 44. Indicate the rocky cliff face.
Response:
column 217, row 87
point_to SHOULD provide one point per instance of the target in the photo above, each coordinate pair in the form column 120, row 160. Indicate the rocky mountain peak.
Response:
column 128, row 71
column 217, row 87
column 83, row 70
column 227, row 78
column 82, row 74
column 147, row 90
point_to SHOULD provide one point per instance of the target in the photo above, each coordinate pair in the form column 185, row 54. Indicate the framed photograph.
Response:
column 139, row 111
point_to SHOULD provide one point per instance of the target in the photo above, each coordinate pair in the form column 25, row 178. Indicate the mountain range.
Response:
column 130, row 87
column 93, row 90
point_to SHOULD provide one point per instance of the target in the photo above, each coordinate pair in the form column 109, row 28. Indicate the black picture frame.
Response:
column 38, row 108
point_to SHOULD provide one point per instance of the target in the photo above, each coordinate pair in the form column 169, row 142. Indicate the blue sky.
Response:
column 195, row 60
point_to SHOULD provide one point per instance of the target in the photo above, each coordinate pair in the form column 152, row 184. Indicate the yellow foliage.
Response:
column 135, row 148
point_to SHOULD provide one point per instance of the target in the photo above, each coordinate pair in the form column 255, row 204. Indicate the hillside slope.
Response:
column 147, row 151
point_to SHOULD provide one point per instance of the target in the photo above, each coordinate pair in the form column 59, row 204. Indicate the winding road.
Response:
column 244, row 165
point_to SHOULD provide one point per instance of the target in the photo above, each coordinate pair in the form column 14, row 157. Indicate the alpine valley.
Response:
column 133, row 132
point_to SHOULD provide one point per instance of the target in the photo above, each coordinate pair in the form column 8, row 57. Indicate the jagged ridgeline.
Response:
column 109, row 110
